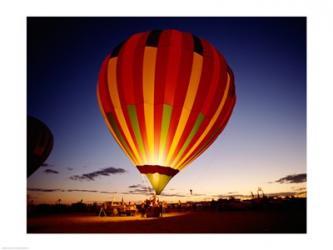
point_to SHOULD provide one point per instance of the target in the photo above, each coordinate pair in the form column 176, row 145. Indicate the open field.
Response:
column 185, row 222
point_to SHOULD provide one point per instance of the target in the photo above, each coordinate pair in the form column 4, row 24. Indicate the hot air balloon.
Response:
column 165, row 96
column 40, row 143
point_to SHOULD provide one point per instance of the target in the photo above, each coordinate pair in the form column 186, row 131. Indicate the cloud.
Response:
column 144, row 190
column 69, row 169
column 291, row 193
column 299, row 189
column 103, row 172
column 82, row 190
column 180, row 195
column 227, row 195
column 196, row 194
column 150, row 191
column 50, row 171
column 296, row 178
column 140, row 186
column 45, row 190
column 172, row 195
column 48, row 190
column 45, row 164
column 107, row 192
column 140, row 189
column 136, row 186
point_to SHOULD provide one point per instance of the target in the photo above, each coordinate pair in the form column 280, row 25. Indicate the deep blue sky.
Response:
column 264, row 140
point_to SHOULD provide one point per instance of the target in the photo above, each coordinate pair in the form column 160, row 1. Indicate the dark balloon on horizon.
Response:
column 39, row 144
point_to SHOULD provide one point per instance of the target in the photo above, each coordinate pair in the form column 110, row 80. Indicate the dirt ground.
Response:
column 187, row 222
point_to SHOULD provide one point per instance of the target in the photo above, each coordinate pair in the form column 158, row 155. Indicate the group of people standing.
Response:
column 152, row 207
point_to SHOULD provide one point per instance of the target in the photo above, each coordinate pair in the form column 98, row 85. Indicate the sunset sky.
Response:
column 263, row 145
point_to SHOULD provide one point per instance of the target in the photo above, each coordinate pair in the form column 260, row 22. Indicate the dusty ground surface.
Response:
column 186, row 222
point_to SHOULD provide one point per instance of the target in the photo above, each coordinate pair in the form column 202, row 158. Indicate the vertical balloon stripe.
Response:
column 216, row 87
column 200, row 150
column 189, row 99
column 180, row 85
column 108, row 124
column 137, row 69
column 126, row 82
column 167, row 111
column 139, row 107
column 211, row 123
column 149, row 61
column 213, row 135
column 113, row 90
column 219, row 128
column 136, row 127
column 125, row 69
column 102, row 88
column 222, row 123
column 206, row 79
column 158, row 113
column 122, row 141
column 149, row 119
column 178, row 64
column 193, row 132
column 173, row 67
column 161, row 72
column 210, row 138
column 185, row 70
column 204, row 145
column 105, row 106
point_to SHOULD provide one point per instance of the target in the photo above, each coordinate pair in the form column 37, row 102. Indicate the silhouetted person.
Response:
column 102, row 210
column 146, row 207
column 160, row 208
column 142, row 209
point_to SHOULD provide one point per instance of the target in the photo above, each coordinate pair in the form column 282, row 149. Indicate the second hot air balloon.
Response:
column 165, row 96
column 39, row 144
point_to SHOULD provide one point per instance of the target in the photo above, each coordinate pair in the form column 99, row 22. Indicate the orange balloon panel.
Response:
column 165, row 97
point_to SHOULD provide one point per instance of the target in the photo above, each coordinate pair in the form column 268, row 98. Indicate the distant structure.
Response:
column 260, row 191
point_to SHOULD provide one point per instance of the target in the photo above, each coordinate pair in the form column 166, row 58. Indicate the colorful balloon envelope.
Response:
column 165, row 96
column 39, row 144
